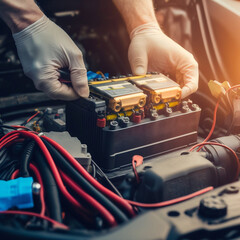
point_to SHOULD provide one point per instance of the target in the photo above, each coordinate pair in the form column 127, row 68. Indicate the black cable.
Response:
column 70, row 170
column 8, row 162
column 102, row 174
column 8, row 127
column 42, row 116
column 51, row 191
column 14, row 128
column 93, row 171
column 26, row 158
column 7, row 173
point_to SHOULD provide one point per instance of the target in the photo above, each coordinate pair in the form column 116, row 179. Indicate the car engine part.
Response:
column 134, row 174
column 107, row 133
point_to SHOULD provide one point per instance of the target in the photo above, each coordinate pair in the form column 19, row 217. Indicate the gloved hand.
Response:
column 43, row 48
column 151, row 50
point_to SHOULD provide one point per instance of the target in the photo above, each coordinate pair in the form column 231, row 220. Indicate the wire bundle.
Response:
column 53, row 163
column 65, row 183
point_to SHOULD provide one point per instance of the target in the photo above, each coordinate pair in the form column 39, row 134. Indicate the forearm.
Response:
column 18, row 14
column 136, row 12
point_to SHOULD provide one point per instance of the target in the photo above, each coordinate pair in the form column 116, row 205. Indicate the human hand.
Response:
column 43, row 48
column 151, row 50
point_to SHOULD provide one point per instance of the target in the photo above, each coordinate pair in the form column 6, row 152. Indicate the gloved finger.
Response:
column 46, row 80
column 138, row 59
column 189, row 71
column 80, row 82
column 78, row 74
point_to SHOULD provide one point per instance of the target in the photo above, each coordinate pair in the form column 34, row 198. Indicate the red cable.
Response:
column 33, row 116
column 215, row 117
column 222, row 145
column 122, row 202
column 8, row 141
column 135, row 171
column 18, row 126
column 6, row 136
column 90, row 200
column 55, row 223
column 40, row 181
column 14, row 174
column 214, row 121
column 170, row 202
column 56, row 174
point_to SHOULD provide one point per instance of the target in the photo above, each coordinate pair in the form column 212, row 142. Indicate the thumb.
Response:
column 138, row 59
column 79, row 74
column 79, row 81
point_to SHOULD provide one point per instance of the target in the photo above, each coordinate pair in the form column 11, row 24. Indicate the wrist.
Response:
column 152, row 27
column 139, row 22
column 136, row 12
column 19, row 14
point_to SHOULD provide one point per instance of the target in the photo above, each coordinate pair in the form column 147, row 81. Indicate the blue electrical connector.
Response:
column 65, row 75
column 16, row 193
column 92, row 75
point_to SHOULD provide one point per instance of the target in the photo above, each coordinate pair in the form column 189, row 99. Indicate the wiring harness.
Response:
column 66, row 187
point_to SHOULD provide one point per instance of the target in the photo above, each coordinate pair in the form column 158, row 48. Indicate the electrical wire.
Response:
column 120, row 201
column 90, row 200
column 17, row 134
column 14, row 174
column 215, row 117
column 214, row 121
column 25, row 158
column 40, row 181
column 55, row 223
column 107, row 179
column 134, row 163
column 70, row 170
column 171, row 202
column 21, row 133
column 8, row 127
column 8, row 164
column 61, row 176
column 82, row 211
column 52, row 195
column 29, row 119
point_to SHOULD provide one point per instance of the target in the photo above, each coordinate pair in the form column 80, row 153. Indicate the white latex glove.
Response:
column 151, row 50
column 43, row 48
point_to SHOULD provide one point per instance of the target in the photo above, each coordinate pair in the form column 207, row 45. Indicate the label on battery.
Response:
column 157, row 83
column 113, row 90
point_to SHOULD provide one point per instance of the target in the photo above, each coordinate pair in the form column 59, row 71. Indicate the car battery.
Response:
column 112, row 141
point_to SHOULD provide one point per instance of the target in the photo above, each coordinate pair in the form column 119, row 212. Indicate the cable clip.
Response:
column 41, row 134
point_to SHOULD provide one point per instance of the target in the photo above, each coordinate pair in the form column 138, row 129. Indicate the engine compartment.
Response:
column 117, row 167
column 163, row 178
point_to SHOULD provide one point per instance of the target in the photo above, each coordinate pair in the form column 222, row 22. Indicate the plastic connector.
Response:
column 217, row 89
column 16, row 193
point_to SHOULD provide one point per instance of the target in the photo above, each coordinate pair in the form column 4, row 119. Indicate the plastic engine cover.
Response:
column 176, row 177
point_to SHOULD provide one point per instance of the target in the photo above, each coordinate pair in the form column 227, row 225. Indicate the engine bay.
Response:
column 133, row 160
column 65, row 165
